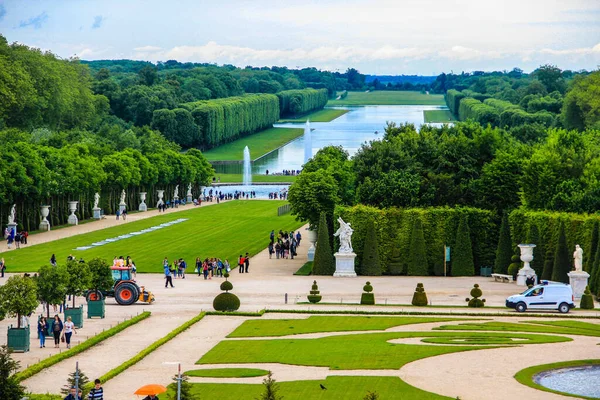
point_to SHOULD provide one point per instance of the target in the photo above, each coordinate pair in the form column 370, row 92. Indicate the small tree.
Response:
column 417, row 257
column 562, row 257
column 79, row 278
column 51, row 285
column 83, row 382
column 595, row 273
column 587, row 300
column 323, row 263
column 186, row 389
column 10, row 389
column 419, row 297
column 271, row 389
column 18, row 297
column 368, row 297
column 463, row 264
column 371, row 396
column 314, row 296
column 504, row 249
column 515, row 265
column 593, row 249
column 548, row 265
column 100, row 275
column 370, row 257
column 476, row 301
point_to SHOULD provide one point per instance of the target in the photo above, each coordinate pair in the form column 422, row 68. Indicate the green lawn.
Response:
column 227, row 372
column 305, row 269
column 560, row 327
column 438, row 116
column 314, row 324
column 259, row 144
column 209, row 232
column 338, row 388
column 389, row 98
column 237, row 178
column 325, row 115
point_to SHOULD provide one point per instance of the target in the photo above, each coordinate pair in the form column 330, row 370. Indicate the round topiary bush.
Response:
column 419, row 297
column 368, row 288
column 368, row 297
column 476, row 301
column 314, row 296
column 226, row 286
column 515, row 266
column 587, row 300
column 226, row 302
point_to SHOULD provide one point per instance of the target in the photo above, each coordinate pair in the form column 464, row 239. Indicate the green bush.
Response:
column 226, row 286
column 226, row 302
column 370, row 260
column 504, row 250
column 476, row 293
column 323, row 263
column 419, row 297
column 593, row 248
column 463, row 264
column 314, row 296
column 548, row 264
column 417, row 260
column 587, row 300
column 305, row 269
column 515, row 264
column 368, row 297
column 562, row 258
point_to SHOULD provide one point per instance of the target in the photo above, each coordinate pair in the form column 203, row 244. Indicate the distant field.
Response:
column 325, row 115
column 436, row 116
column 237, row 178
column 259, row 144
column 389, row 98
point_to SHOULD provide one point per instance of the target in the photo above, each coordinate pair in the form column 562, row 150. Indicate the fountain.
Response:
column 307, row 142
column 247, row 177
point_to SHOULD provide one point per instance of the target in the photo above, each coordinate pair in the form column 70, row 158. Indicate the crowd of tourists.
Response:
column 290, row 172
column 278, row 195
column 17, row 238
column 284, row 245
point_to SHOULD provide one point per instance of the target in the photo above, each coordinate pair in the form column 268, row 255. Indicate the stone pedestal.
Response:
column 344, row 265
column 189, row 199
column 143, row 206
column 73, row 220
column 526, row 271
column 45, row 224
column 311, row 237
column 578, row 281
column 97, row 212
column 12, row 226
column 160, row 201
column 122, row 207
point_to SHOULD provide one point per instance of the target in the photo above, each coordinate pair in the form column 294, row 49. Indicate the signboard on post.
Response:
column 446, row 257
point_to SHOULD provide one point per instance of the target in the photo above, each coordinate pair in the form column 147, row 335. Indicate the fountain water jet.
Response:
column 247, row 177
column 307, row 142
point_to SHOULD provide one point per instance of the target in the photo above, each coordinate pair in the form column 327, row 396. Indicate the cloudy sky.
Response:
column 423, row 37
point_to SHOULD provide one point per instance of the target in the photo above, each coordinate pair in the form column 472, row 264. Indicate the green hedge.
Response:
column 453, row 98
column 50, row 361
column 302, row 101
column 393, row 227
column 474, row 109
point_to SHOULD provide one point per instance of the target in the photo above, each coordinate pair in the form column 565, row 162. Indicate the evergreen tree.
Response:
column 83, row 381
column 370, row 257
column 562, row 257
column 504, row 249
column 533, row 237
column 323, row 263
column 548, row 265
column 271, row 389
column 10, row 388
column 417, row 257
column 371, row 396
column 186, row 389
column 463, row 264
column 593, row 248
column 595, row 274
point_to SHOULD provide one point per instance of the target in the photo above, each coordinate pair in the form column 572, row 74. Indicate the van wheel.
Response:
column 521, row 307
column 564, row 308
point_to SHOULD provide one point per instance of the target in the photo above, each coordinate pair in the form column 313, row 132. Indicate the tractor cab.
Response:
column 121, row 274
column 125, row 290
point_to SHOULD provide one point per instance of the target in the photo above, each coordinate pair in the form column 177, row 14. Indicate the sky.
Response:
column 394, row 37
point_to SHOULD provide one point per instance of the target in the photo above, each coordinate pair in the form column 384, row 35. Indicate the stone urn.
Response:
column 45, row 224
column 161, row 194
column 311, row 237
column 526, row 271
column 73, row 220
column 143, row 206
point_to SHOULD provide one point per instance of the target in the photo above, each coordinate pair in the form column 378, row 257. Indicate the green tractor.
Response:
column 125, row 290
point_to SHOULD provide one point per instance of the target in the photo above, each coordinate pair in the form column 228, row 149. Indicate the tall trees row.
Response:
column 295, row 102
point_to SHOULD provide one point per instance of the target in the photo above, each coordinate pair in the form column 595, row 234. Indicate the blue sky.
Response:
column 424, row 37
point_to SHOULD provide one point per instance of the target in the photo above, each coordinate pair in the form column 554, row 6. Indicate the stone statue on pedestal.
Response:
column 176, row 192
column 578, row 258
column 189, row 192
column 96, row 200
column 344, row 258
column 122, row 201
column 12, row 215
column 345, row 234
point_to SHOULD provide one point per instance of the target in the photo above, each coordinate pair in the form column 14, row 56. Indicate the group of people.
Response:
column 97, row 393
column 211, row 267
column 291, row 172
column 173, row 270
column 17, row 238
column 56, row 328
column 285, row 245
column 125, row 262
column 243, row 263
column 123, row 214
column 275, row 195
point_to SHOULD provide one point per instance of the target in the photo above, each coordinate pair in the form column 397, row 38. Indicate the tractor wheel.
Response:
column 94, row 295
column 126, row 294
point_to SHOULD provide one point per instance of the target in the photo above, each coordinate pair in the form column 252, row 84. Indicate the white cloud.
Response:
column 147, row 49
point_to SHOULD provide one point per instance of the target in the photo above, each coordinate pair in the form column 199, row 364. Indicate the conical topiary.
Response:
column 463, row 264
column 368, row 297
column 476, row 301
column 548, row 264
column 323, row 263
column 314, row 296
column 593, row 249
column 533, row 237
column 396, row 265
column 417, row 256
column 594, row 281
column 419, row 297
column 226, row 302
column 504, row 249
column 370, row 257
column 587, row 300
column 562, row 257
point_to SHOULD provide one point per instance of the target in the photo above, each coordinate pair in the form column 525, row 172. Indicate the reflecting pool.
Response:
column 582, row 381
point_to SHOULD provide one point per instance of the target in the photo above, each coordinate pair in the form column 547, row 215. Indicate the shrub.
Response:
column 504, row 250
column 515, row 265
column 419, row 297
column 548, row 265
column 463, row 264
column 417, row 259
column 314, row 296
column 476, row 301
column 226, row 286
column 368, row 297
column 587, row 300
column 593, row 248
column 562, row 258
column 370, row 259
column 226, row 302
column 323, row 263
column 82, row 382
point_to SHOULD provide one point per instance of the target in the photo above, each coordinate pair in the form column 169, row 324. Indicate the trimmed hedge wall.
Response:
column 301, row 101
column 453, row 98
column 393, row 228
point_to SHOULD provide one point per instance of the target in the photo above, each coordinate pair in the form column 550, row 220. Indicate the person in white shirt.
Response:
column 69, row 329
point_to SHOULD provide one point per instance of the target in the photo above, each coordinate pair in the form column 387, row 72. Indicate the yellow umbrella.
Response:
column 150, row 389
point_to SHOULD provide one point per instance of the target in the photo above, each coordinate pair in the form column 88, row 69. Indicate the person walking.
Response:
column 271, row 249
column 205, row 269
column 168, row 275
column 42, row 329
column 53, row 260
column 2, row 267
column 97, row 393
column 72, row 396
column 247, row 262
column 69, row 329
column 56, row 328
column 227, row 266
column 241, row 264
column 198, row 266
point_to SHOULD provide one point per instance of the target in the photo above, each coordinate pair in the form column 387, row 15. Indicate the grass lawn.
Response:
column 188, row 239
column 259, row 144
column 313, row 324
column 440, row 116
column 237, row 178
column 227, row 372
column 356, row 351
column 384, row 97
column 305, row 270
column 338, row 388
column 560, row 327
column 325, row 115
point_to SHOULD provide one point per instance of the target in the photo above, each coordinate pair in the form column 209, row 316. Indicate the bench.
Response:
column 502, row 278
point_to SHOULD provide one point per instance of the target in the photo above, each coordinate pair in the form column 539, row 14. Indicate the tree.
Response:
column 551, row 77
column 463, row 264
column 593, row 248
column 311, row 194
column 101, row 277
column 18, row 297
column 10, row 389
column 417, row 257
column 562, row 257
column 594, row 282
column 504, row 249
column 271, row 389
column 548, row 265
column 82, row 383
column 370, row 256
column 52, row 285
column 371, row 396
column 533, row 236
column 581, row 108
column 78, row 278
column 186, row 389
column 323, row 263
column 148, row 75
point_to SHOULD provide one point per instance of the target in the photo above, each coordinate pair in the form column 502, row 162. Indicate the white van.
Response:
column 545, row 296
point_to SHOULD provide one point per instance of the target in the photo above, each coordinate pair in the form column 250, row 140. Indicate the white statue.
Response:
column 12, row 215
column 96, row 200
column 176, row 192
column 189, row 193
column 578, row 258
column 122, row 197
column 345, row 234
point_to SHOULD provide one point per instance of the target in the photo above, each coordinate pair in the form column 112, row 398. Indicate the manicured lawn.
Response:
column 338, row 388
column 237, row 178
column 389, row 98
column 313, row 324
column 209, row 232
column 227, row 372
column 325, row 115
column 259, row 144
column 560, row 327
column 440, row 116
column 357, row 351
column 305, row 270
